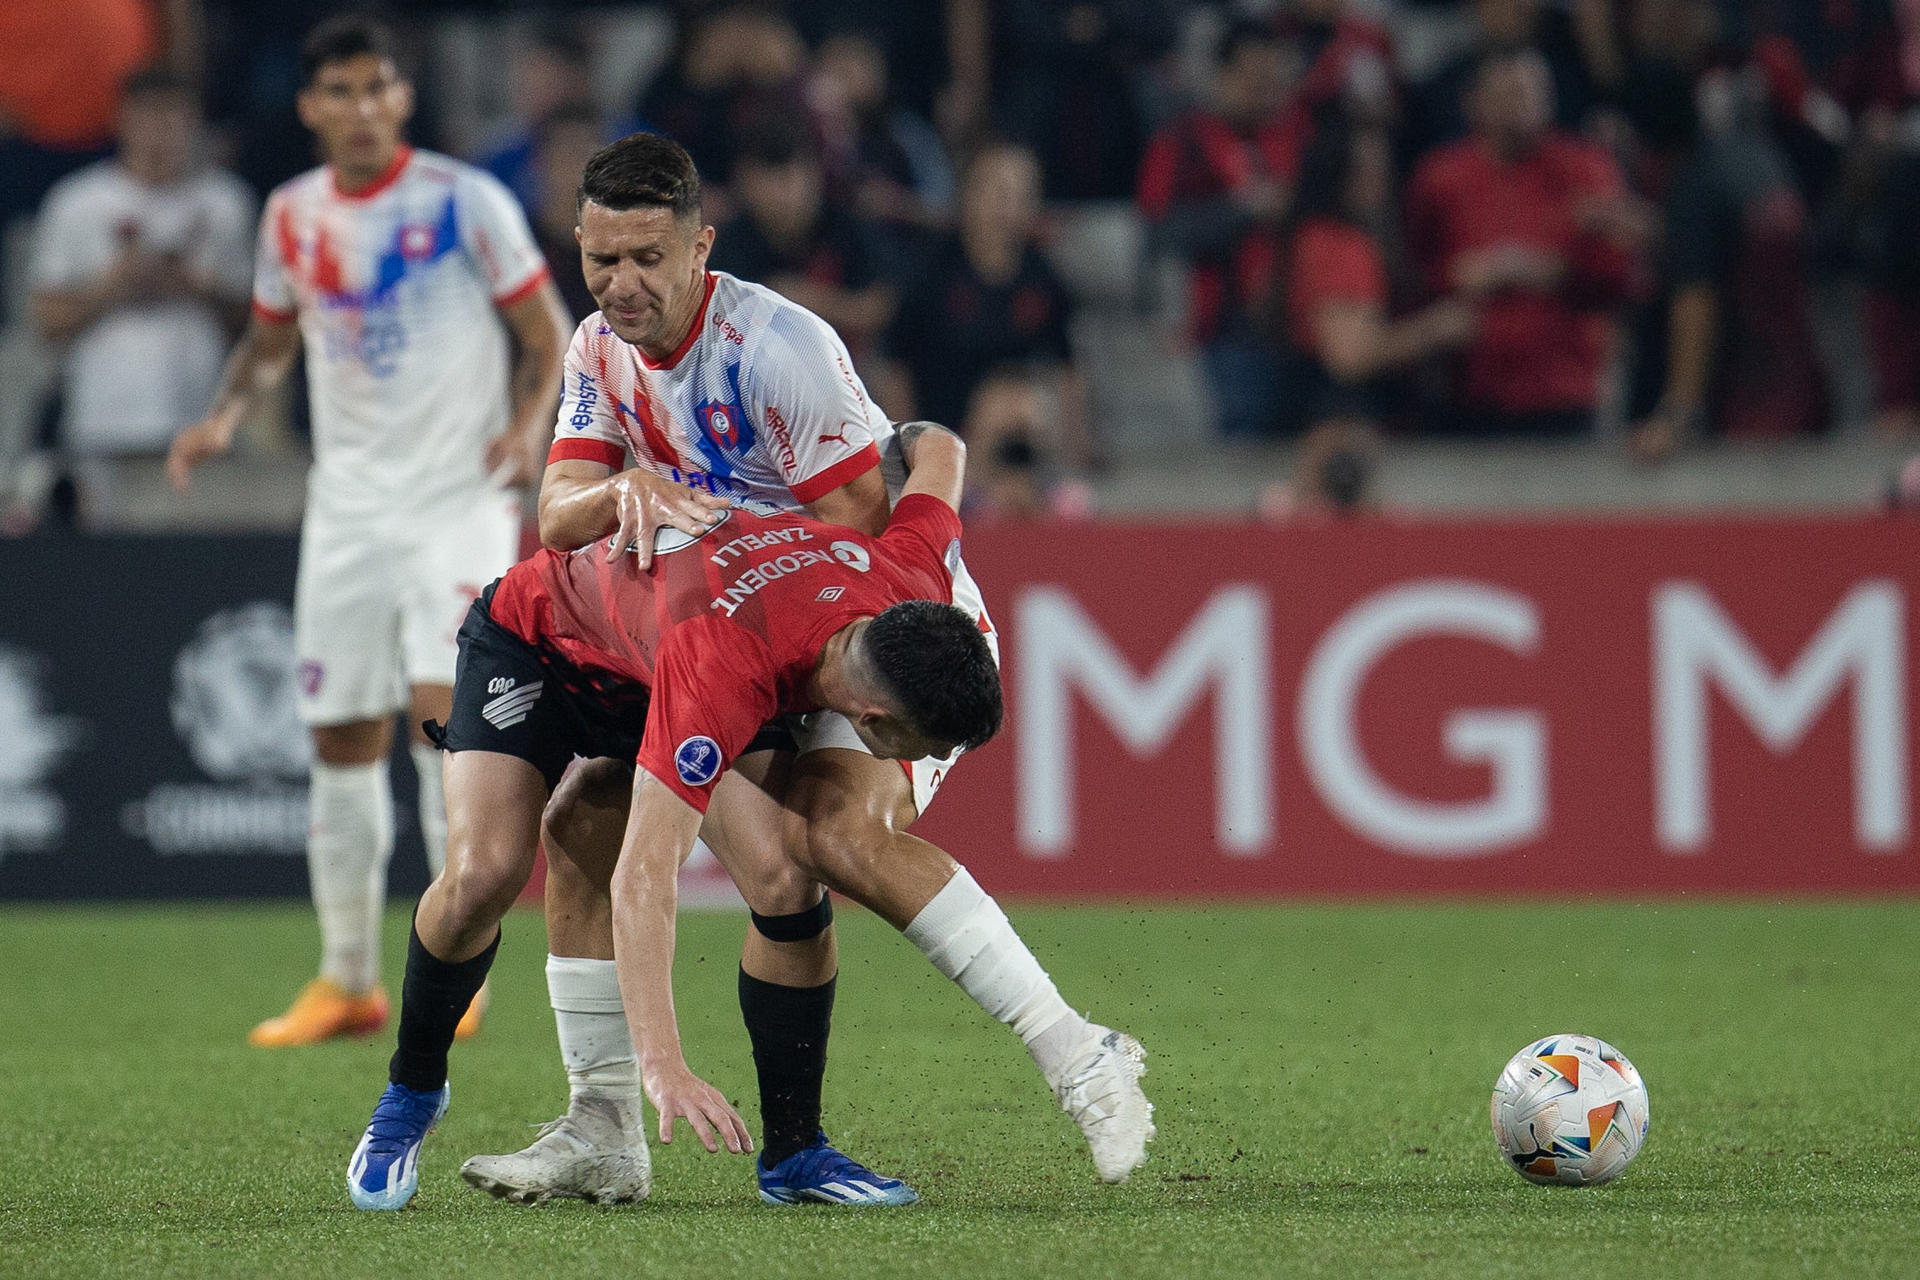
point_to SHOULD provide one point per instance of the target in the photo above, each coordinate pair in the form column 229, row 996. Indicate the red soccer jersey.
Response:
column 727, row 630
column 1535, row 351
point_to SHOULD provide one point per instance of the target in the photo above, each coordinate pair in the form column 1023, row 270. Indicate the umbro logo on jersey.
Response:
column 511, row 707
column 831, row 593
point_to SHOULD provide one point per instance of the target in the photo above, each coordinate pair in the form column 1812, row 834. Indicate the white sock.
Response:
column 433, row 806
column 967, row 937
column 349, row 841
column 592, row 1023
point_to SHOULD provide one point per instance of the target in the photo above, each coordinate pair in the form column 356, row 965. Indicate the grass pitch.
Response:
column 1321, row 1075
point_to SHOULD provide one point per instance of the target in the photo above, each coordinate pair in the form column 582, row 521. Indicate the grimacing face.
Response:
column 647, row 270
column 356, row 107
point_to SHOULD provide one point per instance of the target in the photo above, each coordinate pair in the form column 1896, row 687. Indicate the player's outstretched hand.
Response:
column 678, row 1093
column 207, row 438
column 646, row 503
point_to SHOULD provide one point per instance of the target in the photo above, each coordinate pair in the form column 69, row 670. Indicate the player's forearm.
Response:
column 575, row 512
column 645, row 900
column 259, row 363
column 540, row 332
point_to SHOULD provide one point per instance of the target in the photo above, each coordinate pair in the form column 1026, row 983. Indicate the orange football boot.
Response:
column 322, row 1011
column 470, row 1020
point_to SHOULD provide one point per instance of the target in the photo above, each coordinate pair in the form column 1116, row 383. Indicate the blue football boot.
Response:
column 817, row 1172
column 385, row 1169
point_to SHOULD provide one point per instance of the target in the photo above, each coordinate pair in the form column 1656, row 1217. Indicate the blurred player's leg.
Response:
column 349, row 844
column 346, row 636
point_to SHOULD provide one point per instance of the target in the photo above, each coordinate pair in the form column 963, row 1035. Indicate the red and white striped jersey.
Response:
column 396, row 288
column 760, row 402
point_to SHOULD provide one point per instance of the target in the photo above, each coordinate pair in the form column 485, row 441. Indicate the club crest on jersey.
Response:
column 697, row 760
column 417, row 242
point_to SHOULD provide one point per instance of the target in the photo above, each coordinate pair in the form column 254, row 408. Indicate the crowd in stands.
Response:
column 1553, row 207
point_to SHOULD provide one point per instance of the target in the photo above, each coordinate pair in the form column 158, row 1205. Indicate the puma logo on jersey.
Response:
column 840, row 435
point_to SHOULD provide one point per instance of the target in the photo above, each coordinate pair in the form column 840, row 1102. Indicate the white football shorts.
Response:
column 822, row 729
column 375, row 612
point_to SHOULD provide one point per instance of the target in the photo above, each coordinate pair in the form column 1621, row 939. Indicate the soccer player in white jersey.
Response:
column 726, row 387
column 402, row 273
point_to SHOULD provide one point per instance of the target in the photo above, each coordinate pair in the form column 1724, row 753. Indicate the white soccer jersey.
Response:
column 760, row 401
column 395, row 288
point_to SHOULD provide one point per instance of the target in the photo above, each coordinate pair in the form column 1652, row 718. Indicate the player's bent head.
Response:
column 642, row 171
column 935, row 670
column 343, row 39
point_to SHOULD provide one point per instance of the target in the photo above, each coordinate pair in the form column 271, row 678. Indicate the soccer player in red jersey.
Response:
column 710, row 389
column 763, row 615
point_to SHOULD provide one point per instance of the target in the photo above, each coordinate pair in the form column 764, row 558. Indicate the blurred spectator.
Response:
column 736, row 64
column 1892, row 260
column 983, row 333
column 890, row 161
column 1214, row 188
column 1337, row 287
column 911, row 36
column 1058, row 76
column 1346, row 60
column 1439, row 112
column 61, row 67
column 562, row 144
column 1536, row 224
column 1738, row 355
column 788, row 238
column 551, row 73
column 141, row 272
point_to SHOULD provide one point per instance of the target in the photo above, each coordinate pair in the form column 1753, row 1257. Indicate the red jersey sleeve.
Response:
column 713, row 687
column 923, row 536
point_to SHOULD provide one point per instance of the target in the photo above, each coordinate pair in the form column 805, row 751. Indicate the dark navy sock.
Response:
column 788, row 1026
column 433, row 999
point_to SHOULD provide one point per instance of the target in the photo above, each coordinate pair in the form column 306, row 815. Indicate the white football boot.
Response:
column 597, row 1151
column 1100, row 1089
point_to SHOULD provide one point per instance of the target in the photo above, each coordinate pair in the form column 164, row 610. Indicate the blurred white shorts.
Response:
column 375, row 613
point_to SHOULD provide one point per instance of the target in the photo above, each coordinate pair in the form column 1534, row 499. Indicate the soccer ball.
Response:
column 1571, row 1110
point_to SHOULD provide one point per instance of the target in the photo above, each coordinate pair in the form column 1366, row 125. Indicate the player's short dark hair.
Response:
column 935, row 663
column 641, row 171
column 338, row 39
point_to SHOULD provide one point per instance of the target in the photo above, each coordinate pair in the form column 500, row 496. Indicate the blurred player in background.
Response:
column 397, row 268
column 725, row 386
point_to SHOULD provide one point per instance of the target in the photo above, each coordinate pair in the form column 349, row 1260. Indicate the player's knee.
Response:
column 590, row 795
column 483, row 878
column 781, row 888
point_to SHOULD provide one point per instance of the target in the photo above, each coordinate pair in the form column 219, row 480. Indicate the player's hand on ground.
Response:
column 207, row 438
column 677, row 1093
column 646, row 503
